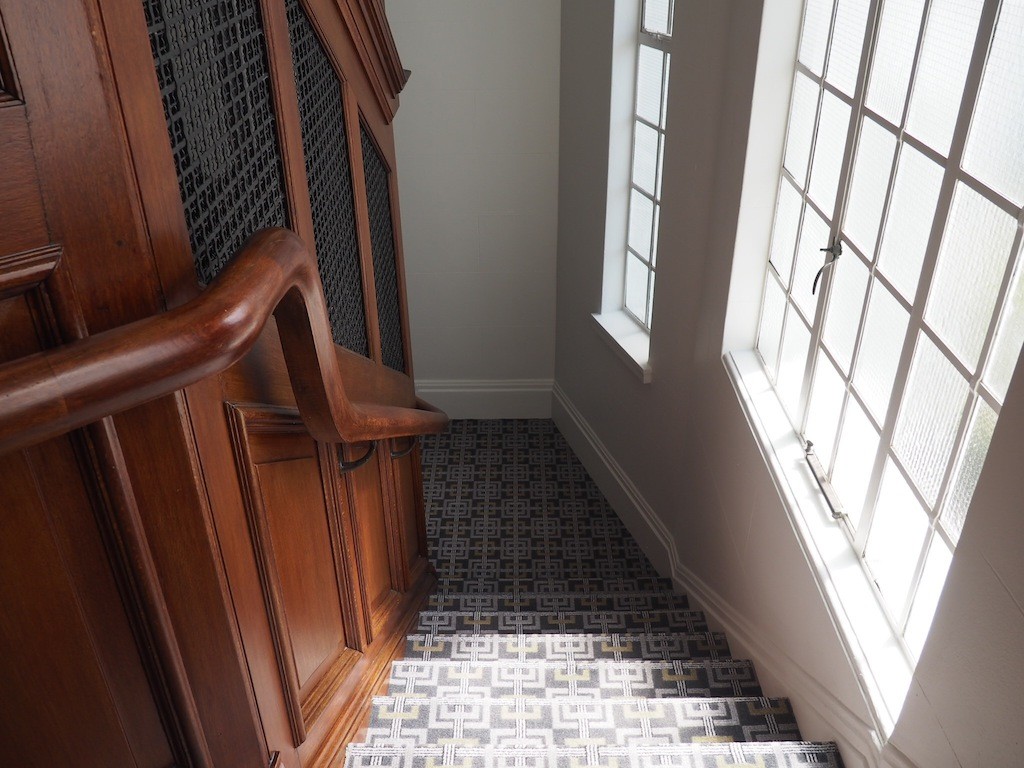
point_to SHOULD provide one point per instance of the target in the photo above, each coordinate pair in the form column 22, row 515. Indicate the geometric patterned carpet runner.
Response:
column 551, row 640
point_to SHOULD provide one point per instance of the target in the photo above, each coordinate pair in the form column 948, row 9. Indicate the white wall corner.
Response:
column 858, row 744
column 489, row 398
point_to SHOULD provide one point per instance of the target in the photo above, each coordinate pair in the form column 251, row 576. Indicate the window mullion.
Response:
column 842, row 193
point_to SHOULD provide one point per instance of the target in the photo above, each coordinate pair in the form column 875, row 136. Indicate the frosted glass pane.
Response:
column 997, row 133
column 965, row 480
column 645, row 157
column 650, row 68
column 896, row 539
column 641, row 222
column 876, row 149
column 792, row 362
column 787, row 225
column 809, row 259
column 909, row 223
column 656, row 16
column 770, row 334
column 880, row 348
column 827, row 393
column 636, row 287
column 845, row 305
column 894, row 57
column 814, row 36
column 930, row 414
column 828, row 151
column 801, row 127
column 936, row 566
column 942, row 69
column 972, row 261
column 858, row 444
column 1006, row 351
column 847, row 39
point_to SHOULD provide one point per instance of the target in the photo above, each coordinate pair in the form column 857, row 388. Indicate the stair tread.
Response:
column 634, row 678
column 594, row 663
column 448, row 582
column 546, row 622
column 679, row 702
column 660, row 646
column 772, row 754
column 543, row 722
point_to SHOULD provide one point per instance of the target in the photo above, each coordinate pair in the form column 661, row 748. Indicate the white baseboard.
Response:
column 489, row 398
column 855, row 735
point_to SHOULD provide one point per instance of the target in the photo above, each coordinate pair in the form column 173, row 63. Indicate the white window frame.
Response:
column 868, row 630
column 626, row 333
column 662, row 43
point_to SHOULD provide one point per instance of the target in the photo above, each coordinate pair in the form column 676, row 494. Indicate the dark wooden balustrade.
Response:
column 52, row 392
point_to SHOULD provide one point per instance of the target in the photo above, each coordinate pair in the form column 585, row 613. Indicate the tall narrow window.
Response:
column 652, row 72
column 904, row 148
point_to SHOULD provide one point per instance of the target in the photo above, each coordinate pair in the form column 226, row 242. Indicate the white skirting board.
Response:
column 855, row 736
column 489, row 398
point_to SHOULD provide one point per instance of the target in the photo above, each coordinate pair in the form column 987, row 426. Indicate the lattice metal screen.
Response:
column 211, row 64
column 329, row 171
column 385, row 267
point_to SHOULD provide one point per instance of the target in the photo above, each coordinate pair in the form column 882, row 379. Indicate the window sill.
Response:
column 630, row 342
column 883, row 668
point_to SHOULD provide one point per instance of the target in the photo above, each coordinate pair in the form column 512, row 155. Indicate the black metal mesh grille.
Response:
column 385, row 267
column 211, row 64
column 330, row 181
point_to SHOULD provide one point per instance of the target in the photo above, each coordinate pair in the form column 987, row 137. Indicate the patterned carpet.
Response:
column 551, row 640
column 511, row 509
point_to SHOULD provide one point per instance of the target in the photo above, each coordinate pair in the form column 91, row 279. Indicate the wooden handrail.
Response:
column 55, row 391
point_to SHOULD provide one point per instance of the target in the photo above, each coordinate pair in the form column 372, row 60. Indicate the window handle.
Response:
column 836, row 249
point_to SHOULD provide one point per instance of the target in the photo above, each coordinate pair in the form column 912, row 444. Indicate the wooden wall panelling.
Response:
column 74, row 632
column 198, row 426
column 88, row 186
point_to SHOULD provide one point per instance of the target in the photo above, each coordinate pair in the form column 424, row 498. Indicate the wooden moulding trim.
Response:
column 24, row 271
column 49, row 393
column 244, row 422
column 384, row 44
column 368, row 26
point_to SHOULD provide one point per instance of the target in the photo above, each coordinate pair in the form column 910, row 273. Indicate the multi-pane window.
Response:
column 648, row 154
column 906, row 145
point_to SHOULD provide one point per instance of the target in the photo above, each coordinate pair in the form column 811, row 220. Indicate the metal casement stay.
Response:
column 823, row 482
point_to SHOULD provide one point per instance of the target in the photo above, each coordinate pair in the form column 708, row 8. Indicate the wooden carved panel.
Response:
column 378, row 564
column 77, row 688
column 296, row 526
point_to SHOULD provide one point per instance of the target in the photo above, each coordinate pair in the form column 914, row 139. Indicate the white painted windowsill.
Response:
column 630, row 342
column 883, row 668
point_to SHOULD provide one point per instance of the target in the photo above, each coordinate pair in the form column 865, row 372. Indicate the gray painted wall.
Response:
column 677, row 456
column 477, row 145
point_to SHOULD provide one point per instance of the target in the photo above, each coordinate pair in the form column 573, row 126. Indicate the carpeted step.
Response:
column 593, row 679
column 569, row 648
column 544, row 623
column 777, row 754
column 565, row 722
column 553, row 584
column 558, row 601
